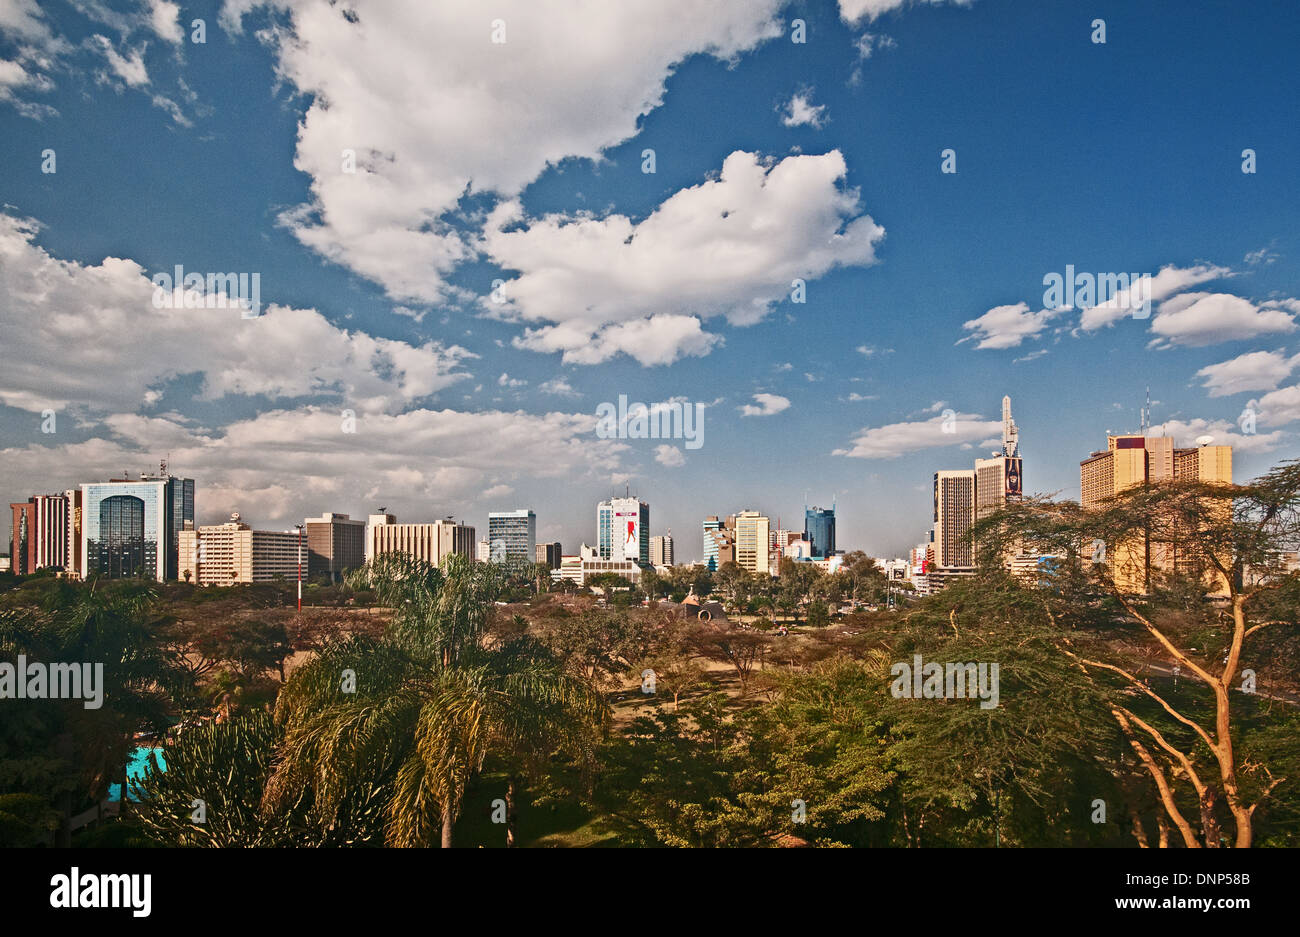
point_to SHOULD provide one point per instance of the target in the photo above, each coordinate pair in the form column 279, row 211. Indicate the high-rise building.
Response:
column 132, row 527
column 819, row 530
column 623, row 530
column 1136, row 460
column 954, row 515
column 483, row 553
column 512, row 536
column 999, row 479
column 431, row 543
column 41, row 526
column 233, row 553
column 75, row 566
column 335, row 544
column 712, row 527
column 753, row 541
column 661, row 550
column 550, row 554
column 965, row 496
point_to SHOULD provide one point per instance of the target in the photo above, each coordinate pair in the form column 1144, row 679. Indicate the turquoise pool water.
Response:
column 135, row 769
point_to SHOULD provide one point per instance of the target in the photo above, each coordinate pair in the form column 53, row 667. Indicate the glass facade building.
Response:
column 512, row 537
column 711, row 524
column 132, row 528
column 623, row 530
column 819, row 531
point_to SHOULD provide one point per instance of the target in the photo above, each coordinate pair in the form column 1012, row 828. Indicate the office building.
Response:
column 623, row 530
column 954, row 515
column 512, row 536
column 819, row 530
column 712, row 525
column 233, row 553
column 999, row 479
column 550, row 554
column 131, row 527
column 661, row 550
column 1130, row 460
column 431, row 543
column 484, row 551
column 966, row 496
column 374, row 520
column 752, row 541
column 41, row 527
column 335, row 544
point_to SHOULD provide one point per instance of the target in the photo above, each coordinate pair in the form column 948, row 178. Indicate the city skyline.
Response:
column 430, row 338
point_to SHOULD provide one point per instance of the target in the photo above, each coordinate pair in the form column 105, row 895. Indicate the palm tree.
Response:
column 114, row 628
column 420, row 709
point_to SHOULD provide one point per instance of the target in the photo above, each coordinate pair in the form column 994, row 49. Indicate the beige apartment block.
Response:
column 431, row 543
column 233, row 553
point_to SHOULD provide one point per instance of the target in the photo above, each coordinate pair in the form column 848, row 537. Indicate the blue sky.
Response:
column 521, row 161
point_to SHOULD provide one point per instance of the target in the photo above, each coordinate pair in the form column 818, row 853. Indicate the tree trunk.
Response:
column 447, row 823
column 512, row 814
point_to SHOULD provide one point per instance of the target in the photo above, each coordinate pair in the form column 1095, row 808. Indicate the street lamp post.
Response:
column 299, row 526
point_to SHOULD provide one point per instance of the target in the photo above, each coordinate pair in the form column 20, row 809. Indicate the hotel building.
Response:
column 233, row 553
column 431, row 543
column 1133, row 460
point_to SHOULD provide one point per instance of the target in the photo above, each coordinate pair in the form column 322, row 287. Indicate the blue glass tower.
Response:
column 819, row 531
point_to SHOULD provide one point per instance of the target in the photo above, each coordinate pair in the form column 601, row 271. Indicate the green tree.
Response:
column 431, row 701
column 1190, row 571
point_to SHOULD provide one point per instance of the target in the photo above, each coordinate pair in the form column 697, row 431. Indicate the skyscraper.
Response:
column 753, row 541
column 512, row 536
column 1000, row 479
column 819, row 530
column 1137, row 460
column 965, row 496
column 335, row 544
column 954, row 515
column 623, row 530
column 41, row 525
column 712, row 525
column 132, row 528
column 661, row 550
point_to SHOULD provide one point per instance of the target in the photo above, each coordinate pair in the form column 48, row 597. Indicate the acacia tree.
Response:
column 1195, row 569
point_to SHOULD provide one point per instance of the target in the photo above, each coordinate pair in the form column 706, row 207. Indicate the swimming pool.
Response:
column 135, row 770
